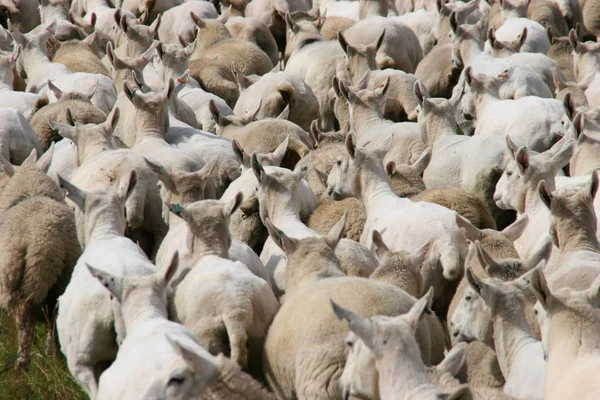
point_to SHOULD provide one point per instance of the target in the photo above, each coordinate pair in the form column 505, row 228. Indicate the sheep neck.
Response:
column 577, row 235
column 85, row 151
column 365, row 117
column 374, row 186
column 149, row 127
column 434, row 127
column 530, row 201
column 103, row 224
column 141, row 309
column 472, row 50
column 511, row 333
column 404, row 378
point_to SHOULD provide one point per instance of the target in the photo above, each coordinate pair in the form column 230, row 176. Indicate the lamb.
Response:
column 536, row 42
column 423, row 24
column 245, row 58
column 589, row 10
column 275, row 91
column 247, row 305
column 34, row 61
column 395, row 381
column 407, row 180
column 215, row 78
column 79, row 106
column 503, row 117
column 80, row 56
column 85, row 322
column 548, row 14
column 523, row 366
column 313, row 262
column 24, row 15
column 134, row 38
column 176, row 21
column 573, row 230
column 585, row 59
column 166, row 370
column 360, row 174
column 328, row 212
column 26, row 103
column 101, row 163
column 561, row 52
column 400, row 48
column 569, row 367
column 40, row 249
column 255, row 31
column 437, row 72
column 209, row 32
column 333, row 24
column 584, row 159
column 273, row 131
column 17, row 137
column 360, row 58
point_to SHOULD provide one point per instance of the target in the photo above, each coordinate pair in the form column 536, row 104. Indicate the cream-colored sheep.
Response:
column 407, row 180
column 334, row 24
column 81, row 56
column 561, row 52
column 39, row 250
column 209, row 32
column 255, row 31
column 81, row 110
column 243, row 57
column 307, row 361
column 329, row 212
column 134, row 38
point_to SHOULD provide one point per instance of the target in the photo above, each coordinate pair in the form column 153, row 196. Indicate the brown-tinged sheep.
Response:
column 561, row 52
column 437, row 72
column 328, row 213
column 80, row 56
column 334, row 24
column 81, row 108
column 255, row 31
column 39, row 250
column 216, row 78
column 243, row 57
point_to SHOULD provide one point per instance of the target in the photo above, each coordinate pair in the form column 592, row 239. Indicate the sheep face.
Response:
column 33, row 46
column 360, row 58
column 172, row 60
column 472, row 319
column 135, row 37
column 360, row 378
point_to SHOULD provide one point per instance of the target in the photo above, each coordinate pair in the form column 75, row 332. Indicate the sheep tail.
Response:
column 238, row 337
column 42, row 101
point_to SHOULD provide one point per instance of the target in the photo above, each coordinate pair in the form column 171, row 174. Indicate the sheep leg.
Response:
column 238, row 340
column 24, row 319
column 51, row 342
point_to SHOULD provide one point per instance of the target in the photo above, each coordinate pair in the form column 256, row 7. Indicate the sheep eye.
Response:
column 535, row 312
column 338, row 163
column 349, row 343
column 176, row 381
column 468, row 298
column 509, row 174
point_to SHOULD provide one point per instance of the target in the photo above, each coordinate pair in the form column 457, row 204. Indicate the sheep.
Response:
column 400, row 48
column 585, row 59
column 247, row 305
column 176, row 21
column 589, row 10
column 561, row 52
column 573, row 230
column 209, row 32
column 503, row 117
column 275, row 91
column 423, row 24
column 40, row 249
column 569, row 367
column 244, row 57
column 372, row 129
column 172, row 60
column 255, row 31
column 327, row 213
column 58, row 10
column 360, row 58
column 24, row 15
column 316, row 61
column 577, row 99
column 39, row 70
column 101, row 163
column 360, row 174
column 548, row 14
column 523, row 365
column 134, row 38
column 215, row 78
column 273, row 158
column 17, row 137
column 437, row 72
column 517, row 188
column 79, row 106
column 536, row 42
column 85, row 322
column 406, row 180
column 319, row 345
column 584, row 159
column 80, row 56
column 166, row 370
column 402, row 374
column 273, row 131
column 401, row 269
column 26, row 103
column 333, row 24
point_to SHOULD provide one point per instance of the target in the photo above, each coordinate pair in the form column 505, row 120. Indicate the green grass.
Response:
column 47, row 377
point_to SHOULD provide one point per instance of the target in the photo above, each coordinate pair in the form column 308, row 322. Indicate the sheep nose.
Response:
column 329, row 191
column 455, row 333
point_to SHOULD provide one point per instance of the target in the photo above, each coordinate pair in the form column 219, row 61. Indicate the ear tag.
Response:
column 279, row 240
column 133, row 92
column 178, row 208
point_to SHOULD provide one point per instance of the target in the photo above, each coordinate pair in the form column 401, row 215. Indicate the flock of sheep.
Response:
column 274, row 201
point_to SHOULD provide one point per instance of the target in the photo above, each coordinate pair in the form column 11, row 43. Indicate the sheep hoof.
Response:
column 22, row 363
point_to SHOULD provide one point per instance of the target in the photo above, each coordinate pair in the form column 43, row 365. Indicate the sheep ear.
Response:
column 113, row 283
column 287, row 244
column 233, row 205
column 423, row 162
column 594, row 293
column 280, row 152
column 336, row 233
column 199, row 363
column 343, row 42
column 241, row 155
column 419, row 92
column 522, row 39
column 351, row 145
column 385, row 146
column 64, row 130
column 522, row 159
column 381, row 248
column 167, row 274
column 156, row 24
column 43, row 164
column 511, row 146
column 360, row 326
column 545, row 194
column 390, row 169
column 258, row 169
column 379, row 41
column 285, row 114
column 540, row 288
column 471, row 232
column 516, row 229
column 474, row 281
column 562, row 152
column 591, row 188
column 382, row 88
column 127, row 186
column 129, row 92
column 161, row 173
column 111, row 124
column 489, row 265
column 31, row 159
column 74, row 194
column 454, row 360
column 418, row 256
column 7, row 167
column 180, row 211
column 418, row 309
column 55, row 90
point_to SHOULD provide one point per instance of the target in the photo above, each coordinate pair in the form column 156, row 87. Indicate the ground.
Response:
column 47, row 378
